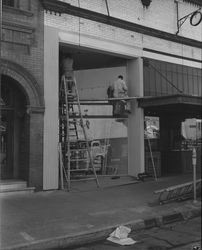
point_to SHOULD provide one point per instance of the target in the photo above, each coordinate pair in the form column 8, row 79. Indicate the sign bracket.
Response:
column 193, row 15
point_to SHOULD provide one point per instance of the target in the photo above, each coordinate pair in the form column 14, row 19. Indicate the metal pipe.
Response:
column 0, row 38
column 177, row 17
column 194, row 171
column 107, row 7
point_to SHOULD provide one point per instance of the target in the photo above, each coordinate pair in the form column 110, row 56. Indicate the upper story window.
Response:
column 18, row 4
column 10, row 3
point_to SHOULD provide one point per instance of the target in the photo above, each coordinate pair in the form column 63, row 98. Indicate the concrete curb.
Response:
column 90, row 236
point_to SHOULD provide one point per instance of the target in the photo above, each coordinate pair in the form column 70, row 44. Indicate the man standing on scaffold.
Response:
column 120, row 91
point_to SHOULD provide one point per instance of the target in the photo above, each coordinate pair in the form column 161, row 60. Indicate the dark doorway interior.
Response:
column 175, row 147
column 14, row 131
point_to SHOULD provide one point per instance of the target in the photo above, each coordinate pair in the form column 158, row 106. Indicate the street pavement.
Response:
column 47, row 220
column 180, row 236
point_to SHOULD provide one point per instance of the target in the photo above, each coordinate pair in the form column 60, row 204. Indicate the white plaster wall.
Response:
column 106, row 128
column 136, row 119
column 122, row 42
column 161, row 14
column 93, row 83
column 50, row 151
column 101, row 37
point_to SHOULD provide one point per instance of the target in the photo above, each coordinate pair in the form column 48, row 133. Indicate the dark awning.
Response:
column 188, row 106
column 197, row 2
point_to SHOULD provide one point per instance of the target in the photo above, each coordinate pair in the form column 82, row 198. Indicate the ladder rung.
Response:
column 84, row 179
column 77, row 170
column 73, row 148
column 75, row 141
column 70, row 113
column 79, row 149
column 75, row 117
column 69, row 80
column 73, row 160
column 73, row 102
column 69, row 103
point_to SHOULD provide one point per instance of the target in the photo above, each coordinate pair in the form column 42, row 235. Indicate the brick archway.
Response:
column 26, row 81
column 33, row 164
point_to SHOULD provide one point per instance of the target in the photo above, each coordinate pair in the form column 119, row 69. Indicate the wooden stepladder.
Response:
column 74, row 151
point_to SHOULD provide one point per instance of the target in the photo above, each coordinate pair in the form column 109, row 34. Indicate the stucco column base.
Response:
column 136, row 118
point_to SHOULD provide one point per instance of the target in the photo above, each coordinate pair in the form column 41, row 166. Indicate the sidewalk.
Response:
column 47, row 220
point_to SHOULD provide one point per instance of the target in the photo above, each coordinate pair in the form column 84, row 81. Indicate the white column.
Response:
column 51, row 65
column 136, row 119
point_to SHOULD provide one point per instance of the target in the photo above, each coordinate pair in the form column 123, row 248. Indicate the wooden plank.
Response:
column 100, row 117
column 177, row 192
column 83, row 179
column 61, row 166
column 103, row 101
column 174, row 187
column 77, row 170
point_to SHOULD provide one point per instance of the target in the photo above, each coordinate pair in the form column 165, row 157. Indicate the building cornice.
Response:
column 60, row 7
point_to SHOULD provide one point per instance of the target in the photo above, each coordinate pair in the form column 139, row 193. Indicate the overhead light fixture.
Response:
column 146, row 3
column 2, row 103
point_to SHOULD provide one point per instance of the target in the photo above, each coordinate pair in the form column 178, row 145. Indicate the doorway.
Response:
column 107, row 134
column 14, row 131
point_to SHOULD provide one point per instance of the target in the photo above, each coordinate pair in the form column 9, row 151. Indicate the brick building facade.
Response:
column 112, row 36
column 22, row 73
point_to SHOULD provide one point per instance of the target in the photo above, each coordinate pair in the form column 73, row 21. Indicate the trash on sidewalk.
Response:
column 120, row 236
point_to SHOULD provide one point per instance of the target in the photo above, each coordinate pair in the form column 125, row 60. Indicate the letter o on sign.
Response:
column 196, row 18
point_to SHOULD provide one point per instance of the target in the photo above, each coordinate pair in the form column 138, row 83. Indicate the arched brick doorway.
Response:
column 22, row 120
column 15, row 132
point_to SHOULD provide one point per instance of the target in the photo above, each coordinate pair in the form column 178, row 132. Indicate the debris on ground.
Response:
column 120, row 236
